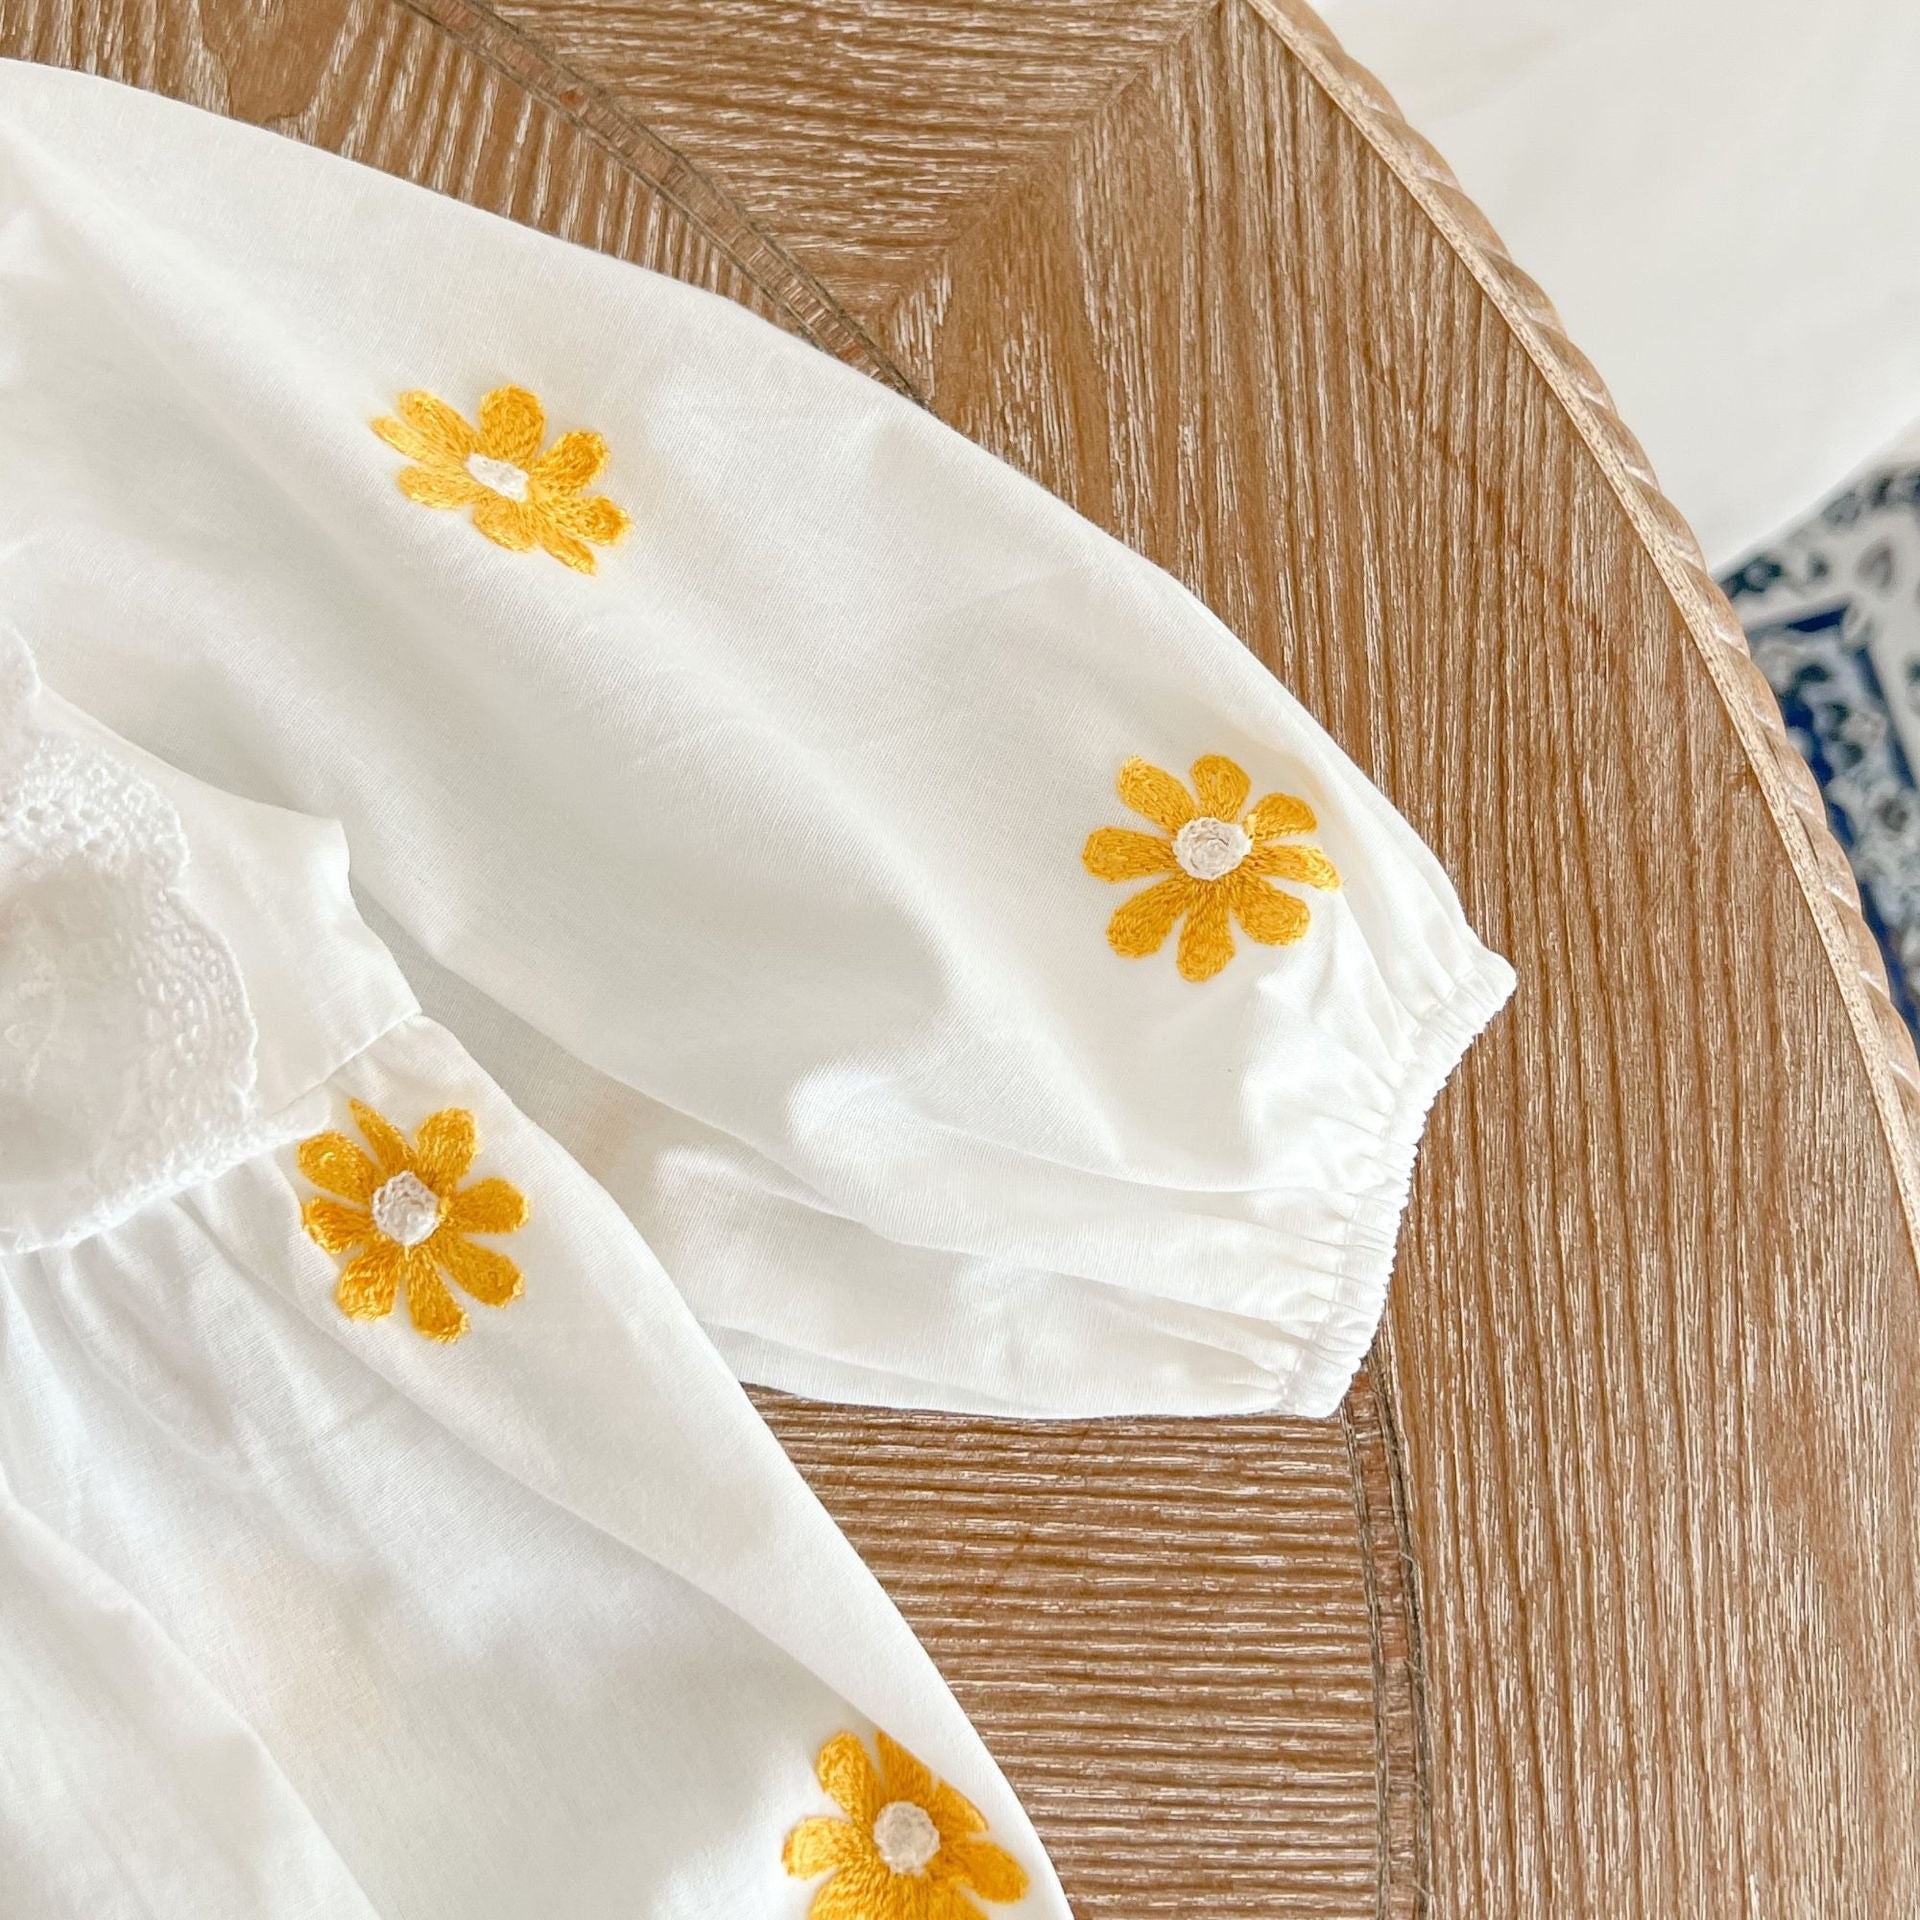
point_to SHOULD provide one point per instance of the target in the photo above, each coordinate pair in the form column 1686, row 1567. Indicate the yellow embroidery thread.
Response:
column 909, row 1848
column 520, row 497
column 404, row 1216
column 1218, row 861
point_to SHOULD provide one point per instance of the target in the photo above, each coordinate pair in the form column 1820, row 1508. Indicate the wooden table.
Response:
column 1600, row 1597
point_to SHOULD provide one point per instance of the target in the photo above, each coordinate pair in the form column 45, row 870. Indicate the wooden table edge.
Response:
column 1793, row 798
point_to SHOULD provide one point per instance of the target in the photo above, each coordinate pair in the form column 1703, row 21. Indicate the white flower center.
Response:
column 905, row 1835
column 1208, row 848
column 406, row 1209
column 501, row 475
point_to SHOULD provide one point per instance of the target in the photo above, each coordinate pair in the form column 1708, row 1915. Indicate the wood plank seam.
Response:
column 1052, row 158
column 1382, row 1738
column 815, row 314
column 1381, row 1370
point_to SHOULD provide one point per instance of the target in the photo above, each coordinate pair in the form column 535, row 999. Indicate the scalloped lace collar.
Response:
column 179, row 969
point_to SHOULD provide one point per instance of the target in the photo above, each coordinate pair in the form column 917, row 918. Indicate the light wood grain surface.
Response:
column 1601, row 1596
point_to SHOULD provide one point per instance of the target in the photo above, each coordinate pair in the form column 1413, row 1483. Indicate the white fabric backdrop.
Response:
column 1721, row 199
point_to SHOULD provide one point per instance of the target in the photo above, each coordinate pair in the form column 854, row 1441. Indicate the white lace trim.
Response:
column 127, row 1044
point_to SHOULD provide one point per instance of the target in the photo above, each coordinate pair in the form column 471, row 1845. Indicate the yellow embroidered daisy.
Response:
column 1218, row 861
column 909, row 1848
column 520, row 497
column 404, row 1216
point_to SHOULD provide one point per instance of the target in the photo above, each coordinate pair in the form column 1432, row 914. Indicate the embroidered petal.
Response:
column 488, row 1206
column 1118, row 853
column 435, row 1311
column 563, row 546
column 389, row 1148
column 1279, row 813
column 1221, row 785
column 864, row 1891
column 596, row 519
column 506, row 523
column 848, row 1775
column 1157, row 794
column 445, row 436
column 1142, row 925
column 490, row 1277
column 405, row 439
column 443, row 1148
column 1308, row 864
column 572, row 462
column 953, row 1813
column 440, row 486
column 1206, row 941
column 332, row 1161
column 512, row 425
column 902, row 1777
column 818, row 1845
column 990, row 1871
column 333, row 1226
column 370, row 1282
column 1269, row 916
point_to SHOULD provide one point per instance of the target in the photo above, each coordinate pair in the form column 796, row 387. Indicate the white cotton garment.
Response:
column 303, row 1615
column 773, row 856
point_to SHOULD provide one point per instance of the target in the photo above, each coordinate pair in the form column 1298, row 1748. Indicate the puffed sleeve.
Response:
column 979, row 979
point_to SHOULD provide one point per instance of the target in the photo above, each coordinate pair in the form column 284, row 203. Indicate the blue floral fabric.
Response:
column 1832, row 614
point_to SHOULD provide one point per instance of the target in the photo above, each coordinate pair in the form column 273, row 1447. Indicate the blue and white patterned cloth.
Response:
column 1832, row 613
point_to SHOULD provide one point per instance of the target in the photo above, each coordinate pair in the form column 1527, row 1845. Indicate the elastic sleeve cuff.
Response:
column 1332, row 1353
